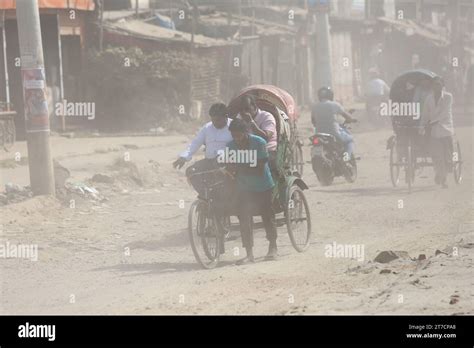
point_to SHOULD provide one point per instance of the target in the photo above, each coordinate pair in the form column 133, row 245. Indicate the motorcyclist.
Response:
column 323, row 117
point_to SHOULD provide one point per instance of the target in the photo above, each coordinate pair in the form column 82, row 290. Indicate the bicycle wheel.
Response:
column 203, row 235
column 409, row 168
column 298, row 220
column 298, row 162
column 457, row 164
column 394, row 166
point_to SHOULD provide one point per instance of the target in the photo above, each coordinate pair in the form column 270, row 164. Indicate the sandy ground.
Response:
column 131, row 253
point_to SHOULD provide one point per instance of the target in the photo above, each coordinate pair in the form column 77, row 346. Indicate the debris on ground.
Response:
column 15, row 193
column 421, row 257
column 85, row 191
column 61, row 174
column 127, row 174
column 454, row 299
column 439, row 252
column 388, row 256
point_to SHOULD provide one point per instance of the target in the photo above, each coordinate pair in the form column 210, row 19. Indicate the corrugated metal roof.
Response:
column 263, row 27
column 410, row 28
column 139, row 28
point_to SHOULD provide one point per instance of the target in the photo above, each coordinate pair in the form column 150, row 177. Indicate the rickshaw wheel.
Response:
column 394, row 165
column 298, row 162
column 457, row 165
column 203, row 235
column 409, row 168
column 297, row 211
column 9, row 135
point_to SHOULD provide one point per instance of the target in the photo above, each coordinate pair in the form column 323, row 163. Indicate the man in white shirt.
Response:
column 377, row 92
column 214, row 135
column 438, row 116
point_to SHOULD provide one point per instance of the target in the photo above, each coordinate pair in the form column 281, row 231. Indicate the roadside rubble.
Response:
column 85, row 191
column 396, row 262
column 387, row 256
column 15, row 193
column 120, row 177
column 126, row 174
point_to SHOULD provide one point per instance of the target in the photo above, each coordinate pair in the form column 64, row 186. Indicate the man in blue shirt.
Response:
column 254, row 186
column 323, row 117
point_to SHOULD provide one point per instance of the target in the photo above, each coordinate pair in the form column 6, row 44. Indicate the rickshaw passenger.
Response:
column 438, row 116
column 260, row 123
column 254, row 189
column 412, row 126
column 214, row 135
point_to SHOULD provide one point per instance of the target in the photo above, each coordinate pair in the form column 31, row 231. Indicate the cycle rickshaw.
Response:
column 209, row 222
column 409, row 150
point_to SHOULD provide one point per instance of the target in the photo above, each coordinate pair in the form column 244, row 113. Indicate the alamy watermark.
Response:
column 28, row 330
column 231, row 156
column 76, row 109
column 350, row 251
column 403, row 109
column 19, row 251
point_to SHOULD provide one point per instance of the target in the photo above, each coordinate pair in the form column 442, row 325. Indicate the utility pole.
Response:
column 5, row 62
column 101, row 25
column 323, row 48
column 34, row 94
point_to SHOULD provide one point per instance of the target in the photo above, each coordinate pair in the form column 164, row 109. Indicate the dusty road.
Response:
column 131, row 255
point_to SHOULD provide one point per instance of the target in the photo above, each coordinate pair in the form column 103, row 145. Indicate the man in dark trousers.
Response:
column 438, row 116
column 254, row 188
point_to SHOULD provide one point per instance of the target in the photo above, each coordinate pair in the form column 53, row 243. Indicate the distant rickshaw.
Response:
column 409, row 150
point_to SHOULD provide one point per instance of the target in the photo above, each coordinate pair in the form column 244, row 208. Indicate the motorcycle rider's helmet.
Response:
column 325, row 93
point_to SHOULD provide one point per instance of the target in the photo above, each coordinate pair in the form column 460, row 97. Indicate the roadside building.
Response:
column 203, row 85
column 65, row 34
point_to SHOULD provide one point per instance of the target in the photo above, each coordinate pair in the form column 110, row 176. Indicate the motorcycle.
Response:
column 329, row 159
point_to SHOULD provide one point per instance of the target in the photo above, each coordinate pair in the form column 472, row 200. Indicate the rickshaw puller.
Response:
column 438, row 115
column 254, row 190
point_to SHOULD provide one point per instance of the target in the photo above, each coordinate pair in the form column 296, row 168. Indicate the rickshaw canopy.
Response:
column 410, row 87
column 404, row 84
column 265, row 94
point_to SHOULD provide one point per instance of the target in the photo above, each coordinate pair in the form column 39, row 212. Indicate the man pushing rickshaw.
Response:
column 264, row 188
column 426, row 133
